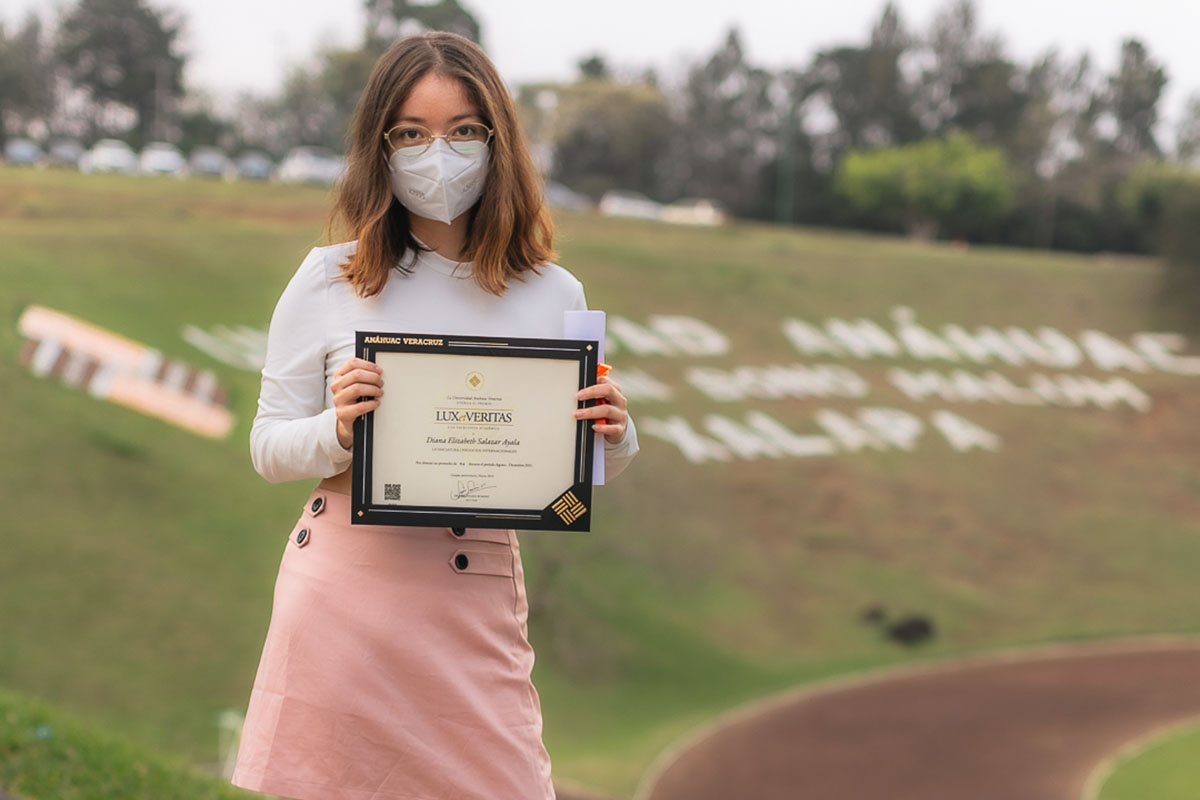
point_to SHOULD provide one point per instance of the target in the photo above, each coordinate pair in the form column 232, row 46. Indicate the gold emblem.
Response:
column 569, row 508
column 475, row 380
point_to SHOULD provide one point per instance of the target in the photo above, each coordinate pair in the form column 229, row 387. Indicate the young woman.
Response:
column 388, row 673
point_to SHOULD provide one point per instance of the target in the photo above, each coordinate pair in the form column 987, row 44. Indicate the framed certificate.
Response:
column 475, row 432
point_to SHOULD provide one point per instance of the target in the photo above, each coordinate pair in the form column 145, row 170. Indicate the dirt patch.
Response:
column 1033, row 727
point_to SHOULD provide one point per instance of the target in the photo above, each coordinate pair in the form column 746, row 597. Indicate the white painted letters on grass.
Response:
column 760, row 436
column 958, row 365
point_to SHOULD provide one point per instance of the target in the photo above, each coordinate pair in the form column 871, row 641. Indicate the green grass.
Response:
column 139, row 560
column 1166, row 770
column 47, row 755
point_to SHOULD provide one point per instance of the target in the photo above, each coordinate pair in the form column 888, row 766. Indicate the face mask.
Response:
column 440, row 183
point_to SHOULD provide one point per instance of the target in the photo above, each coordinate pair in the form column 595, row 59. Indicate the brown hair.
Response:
column 510, row 230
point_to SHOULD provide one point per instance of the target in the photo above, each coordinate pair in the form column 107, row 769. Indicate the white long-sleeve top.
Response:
column 294, row 435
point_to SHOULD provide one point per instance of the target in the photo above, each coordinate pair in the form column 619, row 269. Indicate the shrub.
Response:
column 950, row 187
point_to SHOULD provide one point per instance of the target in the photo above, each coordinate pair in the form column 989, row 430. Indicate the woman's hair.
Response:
column 509, row 231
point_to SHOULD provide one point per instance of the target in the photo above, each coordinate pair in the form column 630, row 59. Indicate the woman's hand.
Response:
column 355, row 378
column 614, row 414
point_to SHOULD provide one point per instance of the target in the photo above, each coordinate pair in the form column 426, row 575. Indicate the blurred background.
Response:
column 903, row 296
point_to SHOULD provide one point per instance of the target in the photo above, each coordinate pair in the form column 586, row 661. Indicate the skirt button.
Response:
column 302, row 537
column 317, row 505
column 458, row 531
column 461, row 561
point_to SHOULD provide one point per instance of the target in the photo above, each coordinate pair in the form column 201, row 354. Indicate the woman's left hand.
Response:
column 614, row 413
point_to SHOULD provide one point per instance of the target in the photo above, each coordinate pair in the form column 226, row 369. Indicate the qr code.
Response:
column 391, row 491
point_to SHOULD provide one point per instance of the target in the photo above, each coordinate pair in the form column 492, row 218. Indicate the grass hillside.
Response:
column 47, row 754
column 1165, row 770
column 139, row 559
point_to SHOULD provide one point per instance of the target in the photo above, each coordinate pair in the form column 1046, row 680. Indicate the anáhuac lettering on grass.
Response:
column 959, row 365
column 865, row 339
column 759, row 435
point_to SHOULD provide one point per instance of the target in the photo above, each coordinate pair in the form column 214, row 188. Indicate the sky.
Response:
column 238, row 45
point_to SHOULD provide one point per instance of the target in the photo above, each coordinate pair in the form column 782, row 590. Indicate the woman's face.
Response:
column 437, row 102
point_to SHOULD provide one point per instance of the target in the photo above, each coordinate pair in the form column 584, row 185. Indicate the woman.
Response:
column 388, row 673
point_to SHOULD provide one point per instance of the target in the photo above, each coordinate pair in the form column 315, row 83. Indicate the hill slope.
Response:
column 139, row 561
column 47, row 755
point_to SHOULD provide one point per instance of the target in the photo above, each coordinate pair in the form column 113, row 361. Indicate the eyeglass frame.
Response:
column 491, row 132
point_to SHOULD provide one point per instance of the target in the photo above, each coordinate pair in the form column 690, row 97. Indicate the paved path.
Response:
column 1020, row 727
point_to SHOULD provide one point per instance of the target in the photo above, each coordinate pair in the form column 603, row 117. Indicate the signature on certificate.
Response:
column 470, row 489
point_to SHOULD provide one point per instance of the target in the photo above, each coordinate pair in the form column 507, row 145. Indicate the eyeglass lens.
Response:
column 413, row 140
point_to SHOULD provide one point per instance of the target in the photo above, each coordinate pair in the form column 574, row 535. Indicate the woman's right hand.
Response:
column 355, row 378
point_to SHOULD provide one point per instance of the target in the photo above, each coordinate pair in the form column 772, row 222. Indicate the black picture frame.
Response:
column 568, row 510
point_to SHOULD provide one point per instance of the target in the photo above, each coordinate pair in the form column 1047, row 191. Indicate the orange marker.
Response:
column 602, row 369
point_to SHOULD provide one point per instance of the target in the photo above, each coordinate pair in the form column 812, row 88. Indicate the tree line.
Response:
column 934, row 133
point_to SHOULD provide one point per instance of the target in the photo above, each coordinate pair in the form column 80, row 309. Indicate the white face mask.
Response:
column 440, row 183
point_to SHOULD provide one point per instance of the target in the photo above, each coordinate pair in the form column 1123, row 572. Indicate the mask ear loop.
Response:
column 387, row 162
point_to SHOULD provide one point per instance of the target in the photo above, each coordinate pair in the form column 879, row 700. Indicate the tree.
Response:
column 1148, row 197
column 609, row 135
column 1106, row 127
column 969, row 85
column 257, row 124
column 726, row 132
column 1180, row 245
column 1187, row 134
column 866, row 90
column 800, row 189
column 344, row 75
column 320, row 101
column 950, row 186
column 306, row 112
column 391, row 19
column 26, row 77
column 1029, row 144
column 1074, row 162
column 1133, row 94
column 949, row 48
column 594, row 66
column 200, row 125
column 124, row 51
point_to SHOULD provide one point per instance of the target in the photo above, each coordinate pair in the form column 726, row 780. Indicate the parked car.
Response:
column 311, row 165
column 695, row 211
column 210, row 162
column 64, row 153
column 162, row 158
column 620, row 203
column 109, row 155
column 254, row 165
column 22, row 152
column 560, row 196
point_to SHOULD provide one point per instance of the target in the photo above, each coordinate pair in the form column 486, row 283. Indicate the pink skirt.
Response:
column 396, row 667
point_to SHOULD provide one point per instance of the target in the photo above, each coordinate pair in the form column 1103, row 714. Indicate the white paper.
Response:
column 492, row 431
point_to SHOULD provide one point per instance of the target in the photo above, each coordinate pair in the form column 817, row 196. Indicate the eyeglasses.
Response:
column 412, row 140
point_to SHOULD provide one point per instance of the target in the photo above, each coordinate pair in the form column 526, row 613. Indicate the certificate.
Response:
column 475, row 432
